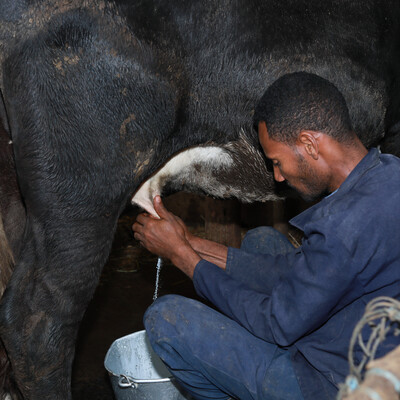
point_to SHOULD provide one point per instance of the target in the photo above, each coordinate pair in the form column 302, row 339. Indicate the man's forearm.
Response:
column 213, row 252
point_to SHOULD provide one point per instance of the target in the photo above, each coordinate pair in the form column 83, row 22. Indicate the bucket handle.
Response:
column 125, row 381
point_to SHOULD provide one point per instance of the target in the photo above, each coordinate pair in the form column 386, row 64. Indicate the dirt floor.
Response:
column 126, row 289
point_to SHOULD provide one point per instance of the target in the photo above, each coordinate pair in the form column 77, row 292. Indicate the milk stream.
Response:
column 159, row 265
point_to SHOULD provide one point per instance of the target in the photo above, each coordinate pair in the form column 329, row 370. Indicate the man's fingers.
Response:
column 142, row 218
column 136, row 227
column 137, row 236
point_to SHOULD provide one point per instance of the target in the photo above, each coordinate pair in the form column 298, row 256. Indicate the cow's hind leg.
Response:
column 53, row 282
column 12, row 223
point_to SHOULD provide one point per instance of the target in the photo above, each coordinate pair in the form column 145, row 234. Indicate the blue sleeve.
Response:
column 300, row 302
column 257, row 271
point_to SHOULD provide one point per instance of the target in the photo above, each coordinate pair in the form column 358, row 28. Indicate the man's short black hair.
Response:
column 303, row 101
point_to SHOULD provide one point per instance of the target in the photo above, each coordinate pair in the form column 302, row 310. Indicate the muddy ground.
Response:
column 127, row 285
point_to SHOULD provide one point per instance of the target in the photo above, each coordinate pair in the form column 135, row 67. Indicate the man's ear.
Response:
column 309, row 141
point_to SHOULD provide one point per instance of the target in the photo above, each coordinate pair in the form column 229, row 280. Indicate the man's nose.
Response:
column 277, row 174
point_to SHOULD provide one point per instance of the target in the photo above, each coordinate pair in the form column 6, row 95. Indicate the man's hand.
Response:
column 168, row 237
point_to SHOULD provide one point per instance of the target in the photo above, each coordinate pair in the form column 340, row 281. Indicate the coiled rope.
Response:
column 382, row 315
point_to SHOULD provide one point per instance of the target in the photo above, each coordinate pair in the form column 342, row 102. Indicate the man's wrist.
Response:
column 192, row 240
column 213, row 252
column 186, row 260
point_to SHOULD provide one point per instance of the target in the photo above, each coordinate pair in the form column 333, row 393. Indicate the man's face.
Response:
column 291, row 166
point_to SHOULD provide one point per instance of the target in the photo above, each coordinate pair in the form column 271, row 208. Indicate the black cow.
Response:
column 99, row 96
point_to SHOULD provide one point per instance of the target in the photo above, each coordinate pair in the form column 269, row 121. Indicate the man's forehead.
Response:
column 263, row 130
column 268, row 144
column 261, row 125
column 273, row 149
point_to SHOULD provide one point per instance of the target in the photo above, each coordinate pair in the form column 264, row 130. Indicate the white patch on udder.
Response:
column 180, row 166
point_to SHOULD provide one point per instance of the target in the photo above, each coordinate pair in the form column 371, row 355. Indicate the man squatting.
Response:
column 286, row 315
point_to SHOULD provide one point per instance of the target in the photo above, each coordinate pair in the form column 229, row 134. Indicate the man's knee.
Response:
column 161, row 312
column 265, row 240
column 169, row 317
column 254, row 235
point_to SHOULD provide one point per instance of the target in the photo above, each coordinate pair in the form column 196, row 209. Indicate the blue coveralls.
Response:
column 286, row 315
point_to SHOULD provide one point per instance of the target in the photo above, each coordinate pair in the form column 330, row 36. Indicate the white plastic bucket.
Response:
column 137, row 373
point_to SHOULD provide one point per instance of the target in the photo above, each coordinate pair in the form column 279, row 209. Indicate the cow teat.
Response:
column 144, row 198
